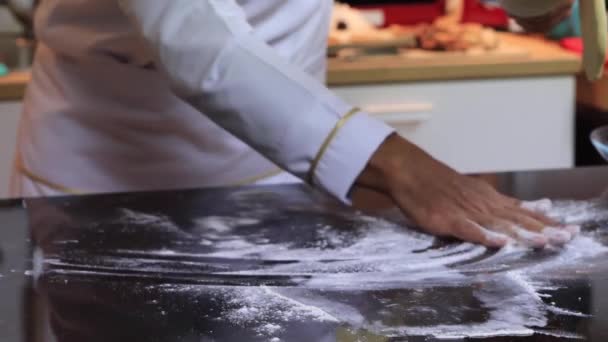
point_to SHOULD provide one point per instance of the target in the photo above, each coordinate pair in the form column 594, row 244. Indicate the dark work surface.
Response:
column 282, row 264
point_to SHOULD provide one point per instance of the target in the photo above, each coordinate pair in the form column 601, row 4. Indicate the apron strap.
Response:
column 36, row 179
column 19, row 165
column 255, row 179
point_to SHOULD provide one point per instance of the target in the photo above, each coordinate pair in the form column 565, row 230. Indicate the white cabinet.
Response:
column 9, row 118
column 480, row 125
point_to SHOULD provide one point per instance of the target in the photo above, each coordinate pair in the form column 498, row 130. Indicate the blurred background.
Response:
column 457, row 77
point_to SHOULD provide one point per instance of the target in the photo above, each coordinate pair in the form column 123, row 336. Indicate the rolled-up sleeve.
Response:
column 213, row 61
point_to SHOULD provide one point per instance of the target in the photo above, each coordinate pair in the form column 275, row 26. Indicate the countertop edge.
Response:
column 453, row 73
column 13, row 85
column 544, row 58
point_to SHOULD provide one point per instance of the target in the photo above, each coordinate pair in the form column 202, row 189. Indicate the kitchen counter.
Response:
column 544, row 58
column 285, row 264
column 12, row 86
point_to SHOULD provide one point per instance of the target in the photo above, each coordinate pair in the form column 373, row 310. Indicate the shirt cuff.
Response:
column 349, row 153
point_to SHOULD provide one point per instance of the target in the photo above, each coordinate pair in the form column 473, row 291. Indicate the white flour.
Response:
column 384, row 257
column 264, row 309
column 270, row 329
column 381, row 255
column 514, row 313
column 571, row 212
column 224, row 224
column 133, row 217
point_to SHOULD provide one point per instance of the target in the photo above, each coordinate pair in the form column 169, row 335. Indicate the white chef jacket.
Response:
column 118, row 88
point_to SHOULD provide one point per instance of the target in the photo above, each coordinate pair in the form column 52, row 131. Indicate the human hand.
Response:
column 444, row 203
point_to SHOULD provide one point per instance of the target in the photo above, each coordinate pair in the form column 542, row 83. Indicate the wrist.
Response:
column 385, row 163
column 398, row 161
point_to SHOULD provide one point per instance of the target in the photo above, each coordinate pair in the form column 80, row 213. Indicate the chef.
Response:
column 135, row 95
column 544, row 23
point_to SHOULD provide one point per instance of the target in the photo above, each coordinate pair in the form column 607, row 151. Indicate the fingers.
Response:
column 557, row 236
column 520, row 218
column 496, row 233
column 541, row 206
column 539, row 210
column 470, row 231
column 529, row 215
column 510, row 201
column 442, row 202
column 538, row 216
column 532, row 229
column 555, row 233
column 496, row 227
column 514, row 231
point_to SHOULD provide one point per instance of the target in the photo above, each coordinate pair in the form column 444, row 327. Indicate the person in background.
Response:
column 135, row 95
column 549, row 22
column 569, row 26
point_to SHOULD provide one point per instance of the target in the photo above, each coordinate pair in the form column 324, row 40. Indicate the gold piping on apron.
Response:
column 40, row 180
column 330, row 137
column 57, row 187
column 254, row 179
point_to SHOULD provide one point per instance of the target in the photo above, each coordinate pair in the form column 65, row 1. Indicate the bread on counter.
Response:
column 349, row 26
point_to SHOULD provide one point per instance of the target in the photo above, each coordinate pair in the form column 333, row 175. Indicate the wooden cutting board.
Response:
column 405, row 41
column 505, row 52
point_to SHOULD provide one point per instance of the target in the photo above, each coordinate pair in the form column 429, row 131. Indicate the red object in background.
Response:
column 575, row 44
column 412, row 14
column 476, row 12
column 409, row 14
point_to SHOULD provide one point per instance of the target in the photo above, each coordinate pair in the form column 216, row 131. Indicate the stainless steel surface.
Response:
column 269, row 264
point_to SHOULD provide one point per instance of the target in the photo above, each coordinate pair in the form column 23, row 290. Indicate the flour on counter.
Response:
column 263, row 303
column 511, row 286
column 565, row 312
column 265, row 310
column 571, row 212
column 129, row 216
column 224, row 224
column 561, row 334
column 270, row 329
column 375, row 261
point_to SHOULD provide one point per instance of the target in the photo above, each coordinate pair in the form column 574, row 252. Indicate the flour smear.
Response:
column 511, row 286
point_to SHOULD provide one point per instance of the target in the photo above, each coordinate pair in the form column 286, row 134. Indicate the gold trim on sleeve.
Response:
column 327, row 142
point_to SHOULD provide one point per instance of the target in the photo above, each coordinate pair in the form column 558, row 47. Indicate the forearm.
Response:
column 212, row 60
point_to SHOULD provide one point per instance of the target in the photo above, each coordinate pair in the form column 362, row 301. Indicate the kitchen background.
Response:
column 455, row 76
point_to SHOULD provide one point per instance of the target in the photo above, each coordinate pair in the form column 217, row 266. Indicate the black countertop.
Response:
column 289, row 264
